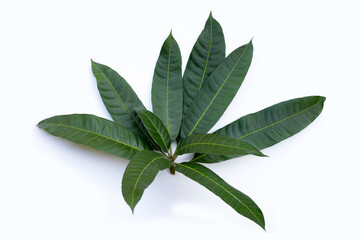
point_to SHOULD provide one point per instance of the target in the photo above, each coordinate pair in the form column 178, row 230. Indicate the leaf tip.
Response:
column 40, row 124
column 261, row 223
column 263, row 227
column 262, row 154
column 93, row 65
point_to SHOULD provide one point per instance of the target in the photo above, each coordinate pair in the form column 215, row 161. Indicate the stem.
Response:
column 172, row 160
column 172, row 170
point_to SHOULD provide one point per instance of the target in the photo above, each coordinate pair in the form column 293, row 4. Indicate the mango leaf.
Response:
column 236, row 199
column 217, row 93
column 207, row 53
column 96, row 132
column 119, row 99
column 140, row 173
column 167, row 89
column 270, row 125
column 155, row 128
column 216, row 144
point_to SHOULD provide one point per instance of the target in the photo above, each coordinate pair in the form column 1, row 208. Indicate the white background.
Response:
column 53, row 189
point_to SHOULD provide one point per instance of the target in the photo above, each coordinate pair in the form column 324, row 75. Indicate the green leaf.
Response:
column 217, row 92
column 216, row 144
column 270, row 125
column 140, row 173
column 207, row 53
column 96, row 132
column 236, row 199
column 119, row 99
column 167, row 89
column 155, row 128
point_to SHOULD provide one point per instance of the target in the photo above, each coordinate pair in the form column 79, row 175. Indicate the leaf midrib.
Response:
column 218, row 91
column 208, row 56
column 226, row 191
column 84, row 130
column 138, row 179
column 167, row 88
column 145, row 113
column 215, row 144
column 270, row 125
column 113, row 88
column 280, row 121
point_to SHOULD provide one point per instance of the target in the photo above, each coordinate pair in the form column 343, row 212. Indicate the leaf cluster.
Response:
column 185, row 107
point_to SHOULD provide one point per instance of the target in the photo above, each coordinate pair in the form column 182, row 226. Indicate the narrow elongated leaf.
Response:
column 140, row 173
column 216, row 144
column 270, row 125
column 236, row 199
column 96, row 132
column 207, row 53
column 217, row 93
column 155, row 128
column 167, row 89
column 120, row 99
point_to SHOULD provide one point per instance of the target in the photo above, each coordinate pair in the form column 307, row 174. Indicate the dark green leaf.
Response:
column 236, row 199
column 217, row 92
column 155, row 128
column 167, row 89
column 119, row 99
column 96, row 132
column 216, row 144
column 270, row 125
column 140, row 173
column 207, row 53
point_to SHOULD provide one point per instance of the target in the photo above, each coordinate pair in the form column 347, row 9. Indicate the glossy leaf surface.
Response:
column 167, row 89
column 236, row 199
column 217, row 92
column 96, row 132
column 155, row 128
column 270, row 125
column 216, row 144
column 119, row 98
column 207, row 53
column 140, row 173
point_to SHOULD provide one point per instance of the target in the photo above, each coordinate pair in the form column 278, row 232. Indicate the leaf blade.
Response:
column 155, row 128
column 140, row 173
column 96, row 132
column 217, row 92
column 240, row 202
column 119, row 99
column 167, row 89
column 207, row 53
column 215, row 144
column 271, row 125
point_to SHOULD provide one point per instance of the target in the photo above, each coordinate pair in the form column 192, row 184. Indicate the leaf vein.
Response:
column 138, row 179
column 208, row 55
column 225, row 191
column 79, row 129
column 222, row 85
